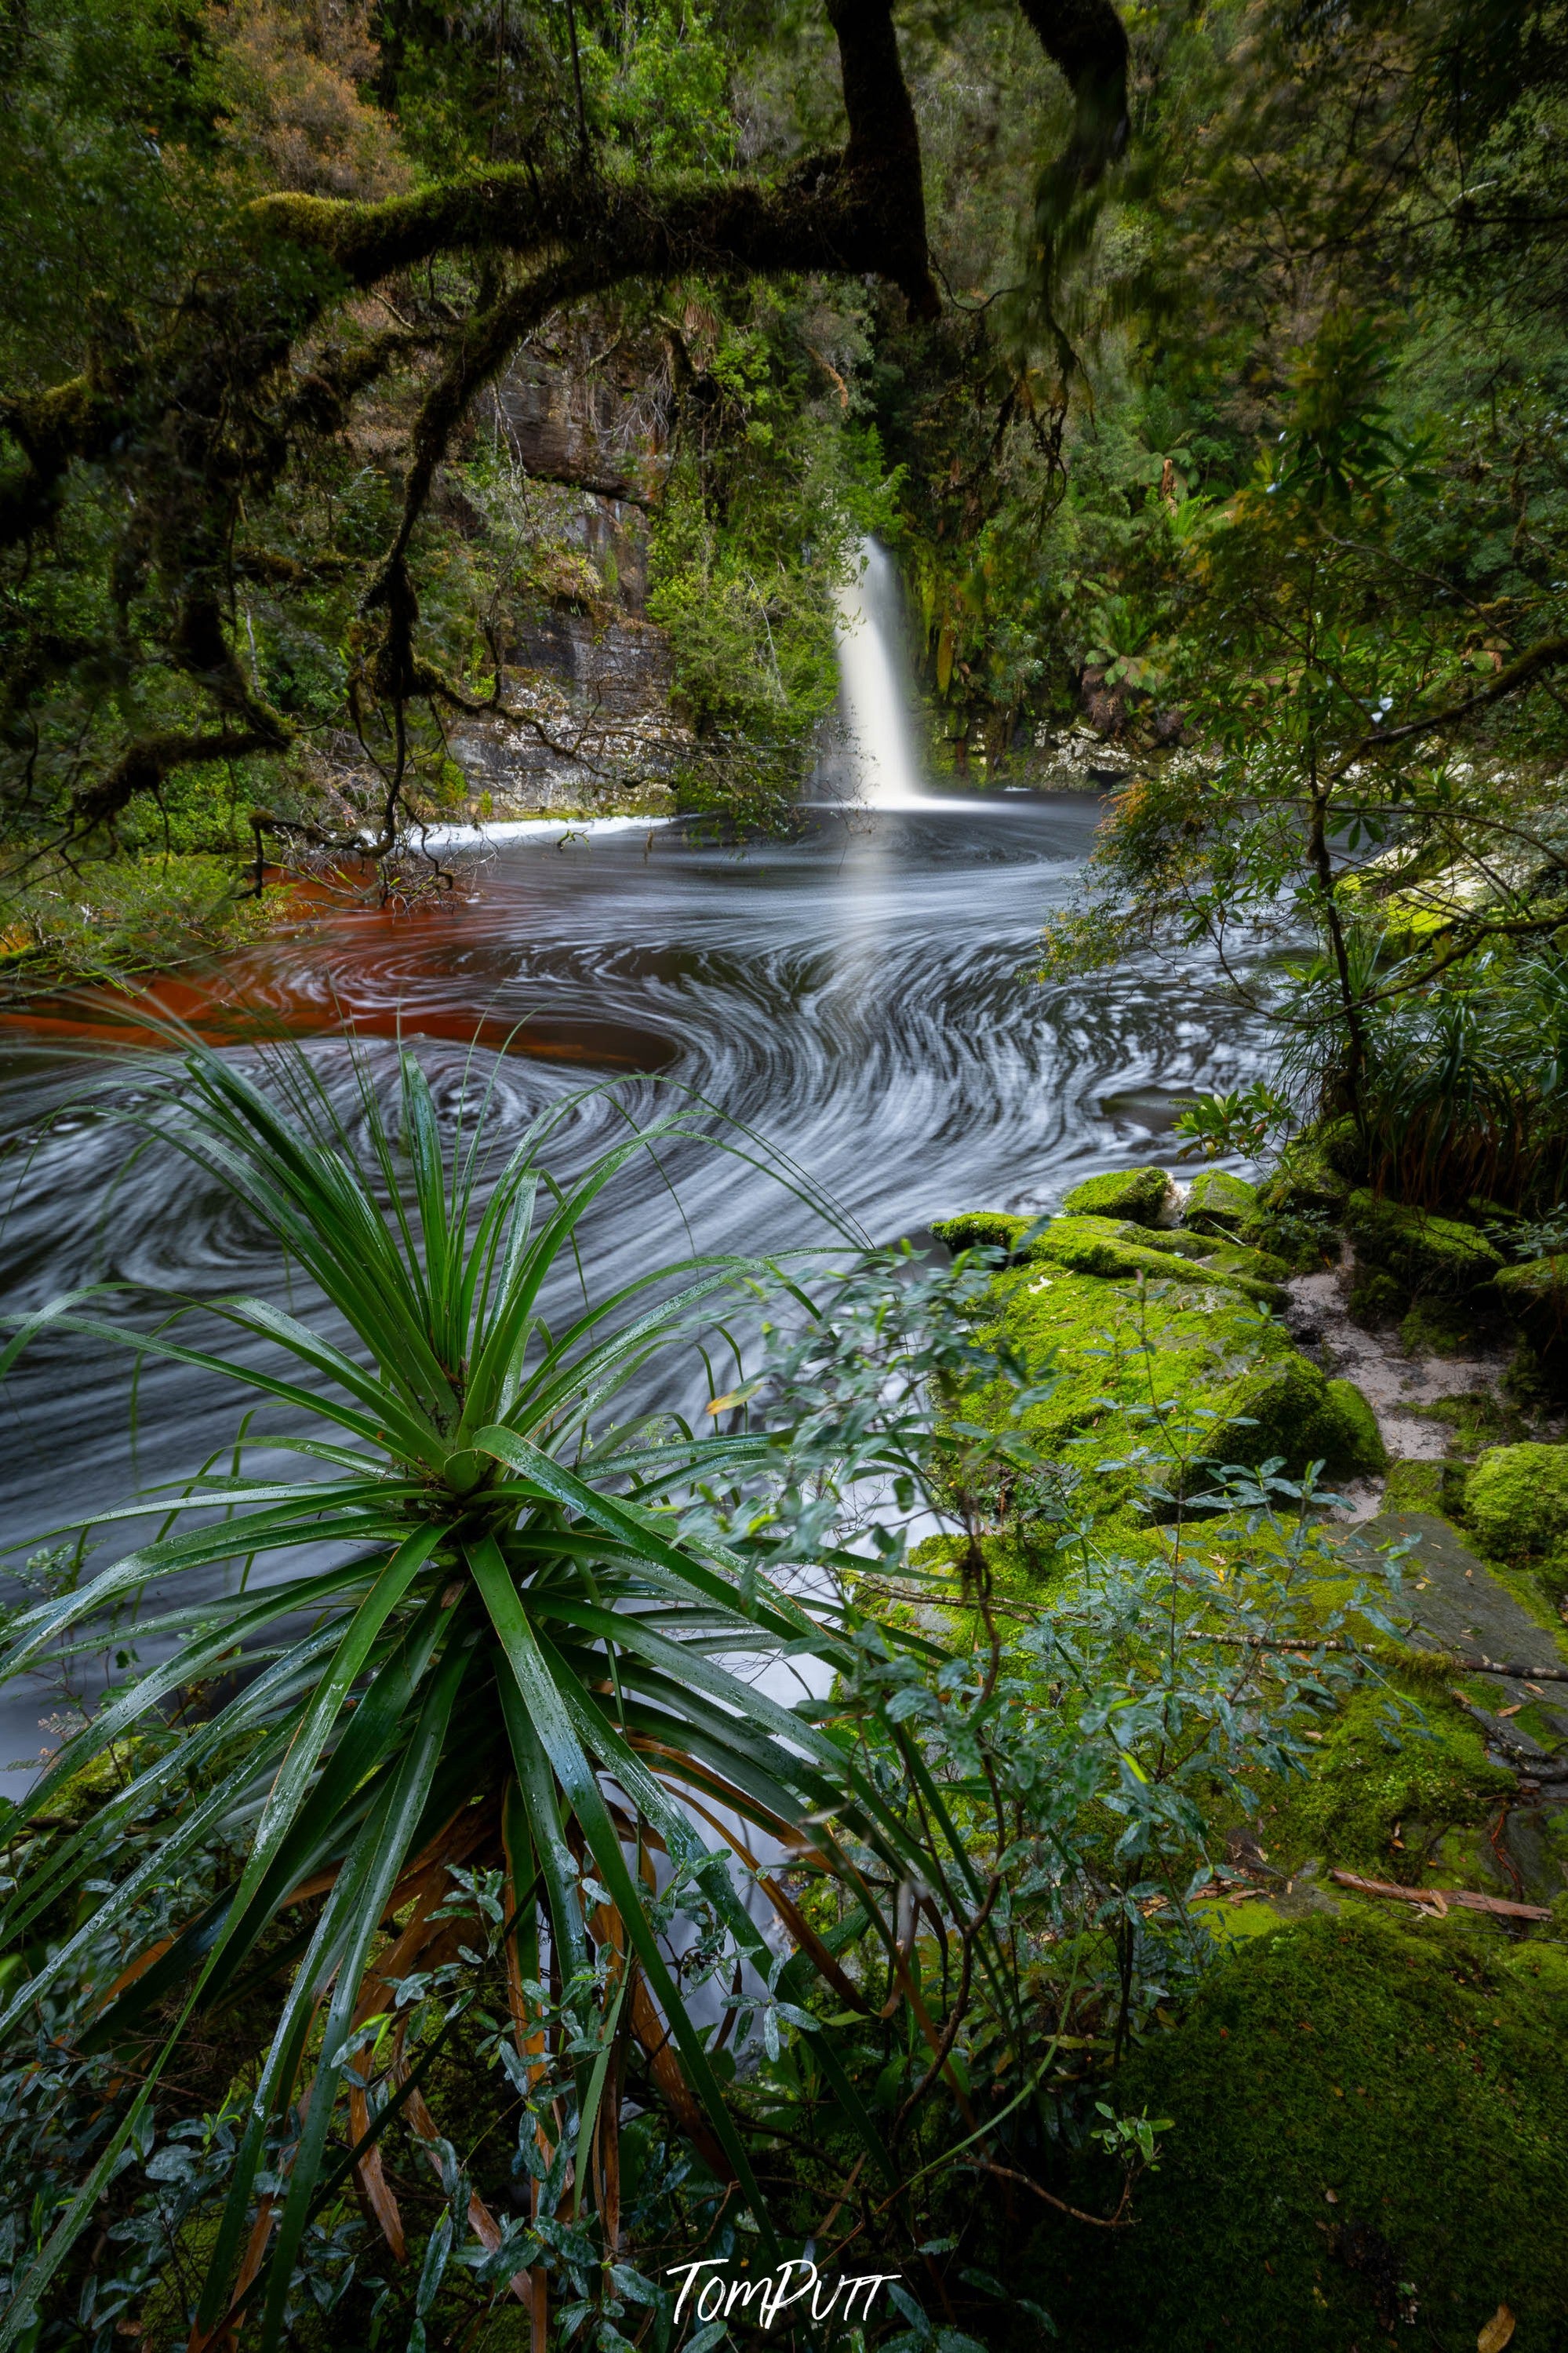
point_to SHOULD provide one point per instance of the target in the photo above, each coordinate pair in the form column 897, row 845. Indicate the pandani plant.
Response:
column 476, row 1630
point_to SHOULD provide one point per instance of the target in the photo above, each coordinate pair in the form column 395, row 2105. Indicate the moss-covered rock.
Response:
column 1376, row 1298
column 1289, row 1408
column 1431, row 1256
column 1339, row 1143
column 1215, row 1251
column 1302, row 1185
column 1371, row 1786
column 1366, row 2130
column 1413, row 1487
column 1516, row 1501
column 1220, row 1203
column 1144, row 1194
column 1115, row 1248
column 1436, row 1487
column 1234, row 1387
column 1298, row 1211
column 1355, row 1440
column 1441, row 1327
column 981, row 1230
column 1535, row 1295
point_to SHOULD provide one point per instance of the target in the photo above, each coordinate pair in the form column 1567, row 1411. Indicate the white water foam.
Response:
column 559, row 830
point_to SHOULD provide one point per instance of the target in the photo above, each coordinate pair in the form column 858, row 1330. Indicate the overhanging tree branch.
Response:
column 214, row 407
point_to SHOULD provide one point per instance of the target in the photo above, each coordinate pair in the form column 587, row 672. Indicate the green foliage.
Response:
column 1242, row 1121
column 127, row 917
column 1351, row 772
column 502, row 1602
column 757, row 523
column 113, row 116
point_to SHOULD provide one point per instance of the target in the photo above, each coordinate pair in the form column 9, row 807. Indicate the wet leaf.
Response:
column 1498, row 2331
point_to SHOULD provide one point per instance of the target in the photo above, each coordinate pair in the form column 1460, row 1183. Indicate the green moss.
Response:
column 1402, row 2067
column 1220, row 1203
column 1476, row 1417
column 1288, row 1407
column 1425, row 1487
column 1536, row 1296
column 1302, row 1185
column 1431, row 1256
column 1368, row 1780
column 103, row 1779
column 1298, row 1212
column 1225, row 1374
column 1516, row 1501
column 1140, row 1194
column 1359, row 1446
column 1440, row 1328
column 1242, row 1261
column 981, row 1230
column 1338, row 1145
column 1303, row 1245
column 1114, row 1248
column 1376, row 1298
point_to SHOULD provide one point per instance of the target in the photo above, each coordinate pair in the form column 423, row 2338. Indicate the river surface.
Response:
column 863, row 997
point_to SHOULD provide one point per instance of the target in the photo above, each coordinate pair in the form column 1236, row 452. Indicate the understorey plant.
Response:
column 432, row 1867
column 1074, row 1762
column 478, row 1631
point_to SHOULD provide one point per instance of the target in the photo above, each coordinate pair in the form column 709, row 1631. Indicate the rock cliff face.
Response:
column 585, row 668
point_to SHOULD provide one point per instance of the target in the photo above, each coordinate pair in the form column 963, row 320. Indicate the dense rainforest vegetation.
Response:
column 473, row 1937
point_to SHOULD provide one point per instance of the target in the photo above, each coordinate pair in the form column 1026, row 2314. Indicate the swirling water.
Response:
column 862, row 996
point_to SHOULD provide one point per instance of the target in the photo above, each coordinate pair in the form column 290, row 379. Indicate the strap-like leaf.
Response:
column 579, row 1784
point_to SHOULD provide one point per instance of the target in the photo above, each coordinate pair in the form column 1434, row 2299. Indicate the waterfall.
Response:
column 873, row 682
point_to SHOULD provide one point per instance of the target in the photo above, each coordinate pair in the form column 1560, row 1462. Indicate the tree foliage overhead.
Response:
column 226, row 336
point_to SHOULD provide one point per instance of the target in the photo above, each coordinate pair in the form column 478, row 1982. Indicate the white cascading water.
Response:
column 871, row 669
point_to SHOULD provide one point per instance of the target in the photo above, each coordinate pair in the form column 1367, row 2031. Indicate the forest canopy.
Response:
column 268, row 263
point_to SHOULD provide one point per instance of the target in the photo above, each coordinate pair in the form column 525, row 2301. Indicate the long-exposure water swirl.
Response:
column 861, row 996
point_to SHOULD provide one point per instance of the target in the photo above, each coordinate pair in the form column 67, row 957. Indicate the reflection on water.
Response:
column 862, row 996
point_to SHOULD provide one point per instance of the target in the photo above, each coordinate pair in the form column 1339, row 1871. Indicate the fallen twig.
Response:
column 1500, row 1667
column 1100, row 2221
column 1451, row 1659
column 1532, row 1763
column 1440, row 1898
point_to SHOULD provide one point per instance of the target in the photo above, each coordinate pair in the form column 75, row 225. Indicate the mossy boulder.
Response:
column 1298, row 1211
column 1442, row 1327
column 1225, row 1372
column 1115, row 1248
column 1302, row 1185
column 1220, row 1203
column 1516, row 1501
column 1376, row 1298
column 1369, row 2134
column 1370, row 1786
column 1142, row 1194
column 1426, row 1486
column 1290, row 1408
column 981, row 1230
column 1339, row 1145
column 1535, row 1294
column 1431, row 1256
